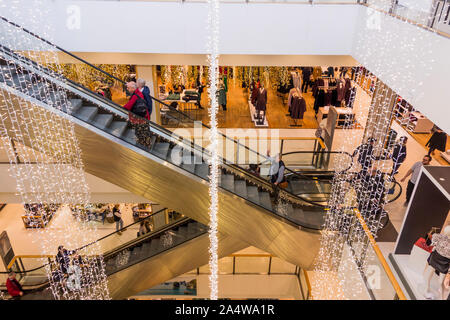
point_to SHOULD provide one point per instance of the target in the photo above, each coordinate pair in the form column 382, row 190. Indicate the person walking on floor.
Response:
column 118, row 218
column 222, row 97
column 306, row 75
column 201, row 86
column 438, row 140
column 399, row 154
column 146, row 93
column 414, row 172
column 14, row 287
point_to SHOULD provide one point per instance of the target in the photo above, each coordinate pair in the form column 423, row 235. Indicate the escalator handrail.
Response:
column 91, row 243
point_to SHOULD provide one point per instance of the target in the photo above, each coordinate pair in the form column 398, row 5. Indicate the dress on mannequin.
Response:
column 439, row 260
column 261, row 102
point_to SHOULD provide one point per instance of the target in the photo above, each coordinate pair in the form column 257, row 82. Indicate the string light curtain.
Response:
column 44, row 154
column 213, row 59
column 344, row 253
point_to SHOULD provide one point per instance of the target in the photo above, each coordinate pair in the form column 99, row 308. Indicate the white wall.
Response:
column 101, row 190
column 175, row 27
column 412, row 61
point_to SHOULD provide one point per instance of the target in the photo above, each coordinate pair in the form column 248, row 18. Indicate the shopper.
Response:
column 144, row 228
column 118, row 218
column 365, row 154
column 414, row 172
column 438, row 140
column 146, row 93
column 306, row 75
column 222, row 97
column 63, row 258
column 371, row 192
column 201, row 86
column 276, row 173
column 398, row 154
column 330, row 72
column 14, row 287
column 137, row 106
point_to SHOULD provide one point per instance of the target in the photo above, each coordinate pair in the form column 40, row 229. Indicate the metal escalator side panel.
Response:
column 168, row 265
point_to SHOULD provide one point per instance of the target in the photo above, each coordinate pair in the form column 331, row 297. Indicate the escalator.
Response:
column 174, row 169
column 134, row 264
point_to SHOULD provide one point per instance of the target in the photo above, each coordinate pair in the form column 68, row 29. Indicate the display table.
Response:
column 254, row 115
column 38, row 216
column 421, row 125
column 142, row 211
column 183, row 105
column 446, row 156
column 343, row 115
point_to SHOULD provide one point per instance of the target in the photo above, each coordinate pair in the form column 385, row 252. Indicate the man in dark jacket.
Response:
column 438, row 140
column 14, row 288
column 399, row 154
column 365, row 152
column 146, row 93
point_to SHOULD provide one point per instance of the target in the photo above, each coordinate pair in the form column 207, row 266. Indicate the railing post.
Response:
column 234, row 264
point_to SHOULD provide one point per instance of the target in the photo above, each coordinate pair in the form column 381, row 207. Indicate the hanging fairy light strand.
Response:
column 344, row 253
column 213, row 59
column 45, row 158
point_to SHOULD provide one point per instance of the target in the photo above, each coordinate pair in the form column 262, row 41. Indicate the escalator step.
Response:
column 189, row 162
column 175, row 156
column 182, row 231
column 76, row 104
column 117, row 128
column 192, row 228
column 102, row 121
column 227, row 182
column 86, row 113
column 298, row 215
column 240, row 187
column 36, row 91
column 161, row 150
column 155, row 245
column 202, row 170
column 315, row 219
column 145, row 247
column 135, row 253
column 252, row 194
column 264, row 200
column 130, row 136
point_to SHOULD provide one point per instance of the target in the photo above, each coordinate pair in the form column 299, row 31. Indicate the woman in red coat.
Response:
column 14, row 288
column 140, row 126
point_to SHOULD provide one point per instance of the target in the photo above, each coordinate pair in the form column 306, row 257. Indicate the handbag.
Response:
column 283, row 185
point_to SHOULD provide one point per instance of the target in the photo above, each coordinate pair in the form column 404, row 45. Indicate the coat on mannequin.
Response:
column 261, row 101
column 439, row 261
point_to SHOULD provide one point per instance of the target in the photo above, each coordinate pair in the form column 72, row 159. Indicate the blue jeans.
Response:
column 119, row 225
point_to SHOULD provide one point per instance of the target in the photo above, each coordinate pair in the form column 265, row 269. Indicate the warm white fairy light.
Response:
column 213, row 58
column 50, row 169
column 335, row 267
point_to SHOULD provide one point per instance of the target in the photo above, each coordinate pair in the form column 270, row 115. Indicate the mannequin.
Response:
column 298, row 108
column 261, row 102
column 439, row 260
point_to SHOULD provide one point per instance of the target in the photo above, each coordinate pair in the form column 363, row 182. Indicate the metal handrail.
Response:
column 380, row 257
